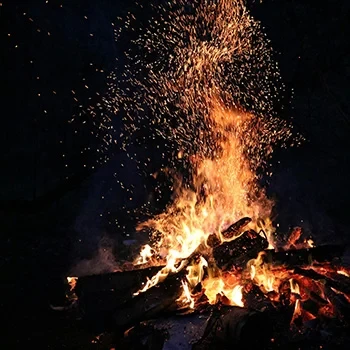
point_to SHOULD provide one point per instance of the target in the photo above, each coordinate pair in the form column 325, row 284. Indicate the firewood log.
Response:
column 151, row 303
column 236, row 229
column 235, row 327
column 99, row 295
column 239, row 251
column 305, row 256
column 232, row 231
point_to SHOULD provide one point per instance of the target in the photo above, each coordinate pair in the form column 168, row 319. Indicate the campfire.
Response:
column 216, row 272
column 296, row 294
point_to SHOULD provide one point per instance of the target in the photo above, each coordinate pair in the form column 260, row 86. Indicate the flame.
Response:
column 186, row 297
column 297, row 310
column 344, row 273
column 294, row 286
column 224, row 189
column 227, row 285
column 262, row 274
column 311, row 243
column 72, row 282
column 237, row 296
column 146, row 254
column 224, row 133
column 196, row 272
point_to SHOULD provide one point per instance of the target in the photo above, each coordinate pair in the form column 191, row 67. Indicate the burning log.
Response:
column 339, row 302
column 149, row 304
column 232, row 231
column 116, row 281
column 254, row 298
column 236, row 229
column 99, row 295
column 305, row 256
column 239, row 251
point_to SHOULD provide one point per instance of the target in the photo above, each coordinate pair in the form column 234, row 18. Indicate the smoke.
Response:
column 103, row 261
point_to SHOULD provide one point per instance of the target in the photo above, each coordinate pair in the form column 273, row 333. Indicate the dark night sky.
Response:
column 55, row 50
column 47, row 195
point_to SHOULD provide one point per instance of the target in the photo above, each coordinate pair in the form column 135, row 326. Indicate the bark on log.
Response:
column 100, row 295
column 239, row 251
column 298, row 257
column 339, row 302
column 232, row 231
column 235, row 327
column 236, row 228
column 150, row 304
column 116, row 281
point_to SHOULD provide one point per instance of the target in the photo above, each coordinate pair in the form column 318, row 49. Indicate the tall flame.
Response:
column 224, row 189
column 207, row 78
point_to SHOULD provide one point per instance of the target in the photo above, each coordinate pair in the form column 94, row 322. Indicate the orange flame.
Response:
column 225, row 189
column 221, row 286
column 223, row 183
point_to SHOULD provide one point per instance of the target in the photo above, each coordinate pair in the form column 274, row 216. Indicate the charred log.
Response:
column 236, row 229
column 310, row 273
column 233, row 327
column 173, row 332
column 99, row 295
column 232, row 231
column 239, row 251
column 150, row 304
column 339, row 302
column 299, row 257
column 254, row 298
column 116, row 281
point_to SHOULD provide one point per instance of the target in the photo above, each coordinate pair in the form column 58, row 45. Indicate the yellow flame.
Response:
column 186, row 297
column 227, row 286
column 196, row 272
column 146, row 254
column 265, row 275
column 297, row 310
column 223, row 185
column 294, row 286
column 310, row 243
column 344, row 273
column 261, row 274
column 72, row 281
column 237, row 296
column 224, row 190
